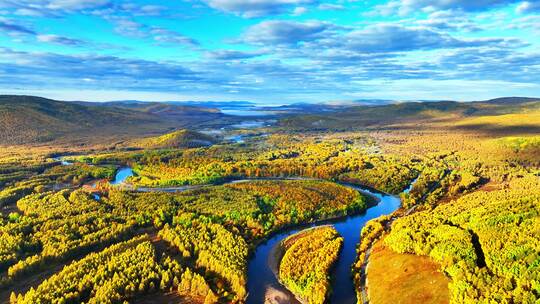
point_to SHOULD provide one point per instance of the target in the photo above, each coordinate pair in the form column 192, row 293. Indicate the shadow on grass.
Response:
column 493, row 130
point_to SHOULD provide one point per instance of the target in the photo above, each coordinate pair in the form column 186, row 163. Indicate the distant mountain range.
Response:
column 226, row 106
column 293, row 106
column 362, row 116
column 509, row 100
column 378, row 102
column 203, row 104
column 29, row 119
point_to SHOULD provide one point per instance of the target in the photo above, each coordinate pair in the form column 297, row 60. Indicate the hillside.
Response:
column 176, row 139
column 31, row 120
column 413, row 113
column 161, row 108
column 510, row 100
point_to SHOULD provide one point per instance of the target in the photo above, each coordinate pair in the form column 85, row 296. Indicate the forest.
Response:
column 486, row 242
column 307, row 260
column 207, row 232
column 470, row 202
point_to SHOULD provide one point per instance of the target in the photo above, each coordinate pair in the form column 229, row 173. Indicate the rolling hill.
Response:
column 30, row 120
column 413, row 113
column 177, row 139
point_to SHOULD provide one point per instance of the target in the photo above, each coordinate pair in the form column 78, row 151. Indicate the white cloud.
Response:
column 58, row 40
column 299, row 11
column 286, row 32
column 330, row 7
column 411, row 6
column 528, row 7
column 256, row 8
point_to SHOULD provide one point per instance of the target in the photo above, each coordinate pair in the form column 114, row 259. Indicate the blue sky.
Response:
column 274, row 52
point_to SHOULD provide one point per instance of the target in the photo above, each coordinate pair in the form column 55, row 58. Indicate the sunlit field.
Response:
column 270, row 152
column 184, row 222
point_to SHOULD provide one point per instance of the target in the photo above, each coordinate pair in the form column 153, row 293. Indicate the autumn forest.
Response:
column 179, row 214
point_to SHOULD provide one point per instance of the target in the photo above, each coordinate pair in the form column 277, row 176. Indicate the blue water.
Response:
column 121, row 175
column 246, row 112
column 411, row 185
column 261, row 277
column 62, row 161
column 255, row 124
column 235, row 138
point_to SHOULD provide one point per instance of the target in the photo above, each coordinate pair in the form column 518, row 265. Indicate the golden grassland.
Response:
column 506, row 156
column 395, row 278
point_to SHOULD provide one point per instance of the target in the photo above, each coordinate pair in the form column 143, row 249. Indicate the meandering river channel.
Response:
column 261, row 278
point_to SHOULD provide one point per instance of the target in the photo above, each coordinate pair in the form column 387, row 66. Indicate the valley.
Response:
column 179, row 203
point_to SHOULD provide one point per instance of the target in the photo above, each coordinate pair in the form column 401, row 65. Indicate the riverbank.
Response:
column 262, row 276
column 276, row 256
column 275, row 295
column 265, row 286
column 309, row 258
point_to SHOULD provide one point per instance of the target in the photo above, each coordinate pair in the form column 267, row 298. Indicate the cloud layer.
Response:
column 414, row 6
column 261, row 49
column 256, row 8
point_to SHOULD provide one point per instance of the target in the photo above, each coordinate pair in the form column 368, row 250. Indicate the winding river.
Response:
column 122, row 175
column 262, row 279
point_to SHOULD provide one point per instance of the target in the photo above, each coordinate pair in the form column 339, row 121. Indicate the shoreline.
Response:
column 274, row 261
column 372, row 202
column 273, row 294
column 362, row 288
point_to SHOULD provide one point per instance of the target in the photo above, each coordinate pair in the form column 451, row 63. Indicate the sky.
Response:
column 271, row 52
